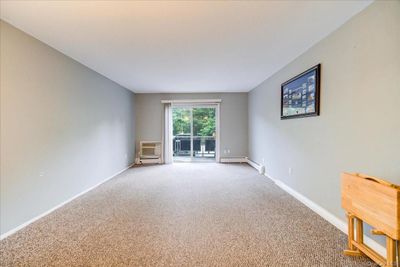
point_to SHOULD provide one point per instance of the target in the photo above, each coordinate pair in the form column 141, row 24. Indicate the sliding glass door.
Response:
column 194, row 133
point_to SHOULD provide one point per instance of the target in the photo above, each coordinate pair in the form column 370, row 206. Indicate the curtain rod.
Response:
column 192, row 101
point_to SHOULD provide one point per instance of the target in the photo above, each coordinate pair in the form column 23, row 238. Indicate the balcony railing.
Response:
column 203, row 146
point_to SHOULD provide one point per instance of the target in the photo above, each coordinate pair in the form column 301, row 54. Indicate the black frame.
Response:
column 317, row 70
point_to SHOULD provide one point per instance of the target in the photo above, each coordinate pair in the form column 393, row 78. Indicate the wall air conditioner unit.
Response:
column 150, row 152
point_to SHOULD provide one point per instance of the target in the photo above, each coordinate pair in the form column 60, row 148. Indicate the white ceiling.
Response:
column 181, row 46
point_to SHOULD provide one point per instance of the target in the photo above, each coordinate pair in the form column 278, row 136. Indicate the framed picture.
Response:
column 300, row 95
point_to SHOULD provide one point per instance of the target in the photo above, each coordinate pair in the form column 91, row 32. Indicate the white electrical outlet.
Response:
column 290, row 170
column 229, row 151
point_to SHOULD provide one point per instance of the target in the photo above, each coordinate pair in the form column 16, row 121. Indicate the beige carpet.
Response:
column 202, row 214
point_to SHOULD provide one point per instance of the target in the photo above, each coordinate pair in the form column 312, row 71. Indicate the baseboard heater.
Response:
column 234, row 160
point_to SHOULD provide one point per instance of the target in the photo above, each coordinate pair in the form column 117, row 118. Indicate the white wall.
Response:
column 64, row 128
column 359, row 126
column 233, row 124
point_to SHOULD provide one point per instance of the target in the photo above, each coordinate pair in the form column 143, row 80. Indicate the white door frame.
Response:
column 198, row 104
column 217, row 132
column 191, row 133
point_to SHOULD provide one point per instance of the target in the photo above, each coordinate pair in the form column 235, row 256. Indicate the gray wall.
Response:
column 64, row 127
column 233, row 124
column 359, row 126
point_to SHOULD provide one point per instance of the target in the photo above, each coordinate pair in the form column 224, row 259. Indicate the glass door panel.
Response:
column 182, row 133
column 204, row 133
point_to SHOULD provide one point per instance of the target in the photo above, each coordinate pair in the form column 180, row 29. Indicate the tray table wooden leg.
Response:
column 391, row 252
column 360, row 231
column 352, row 250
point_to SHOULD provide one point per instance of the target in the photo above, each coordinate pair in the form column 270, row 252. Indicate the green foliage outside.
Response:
column 203, row 121
column 180, row 121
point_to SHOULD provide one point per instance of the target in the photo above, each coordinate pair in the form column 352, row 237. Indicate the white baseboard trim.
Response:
column 338, row 223
column 19, row 227
column 234, row 160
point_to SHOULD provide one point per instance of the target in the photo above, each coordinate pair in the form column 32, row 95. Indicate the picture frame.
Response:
column 300, row 96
